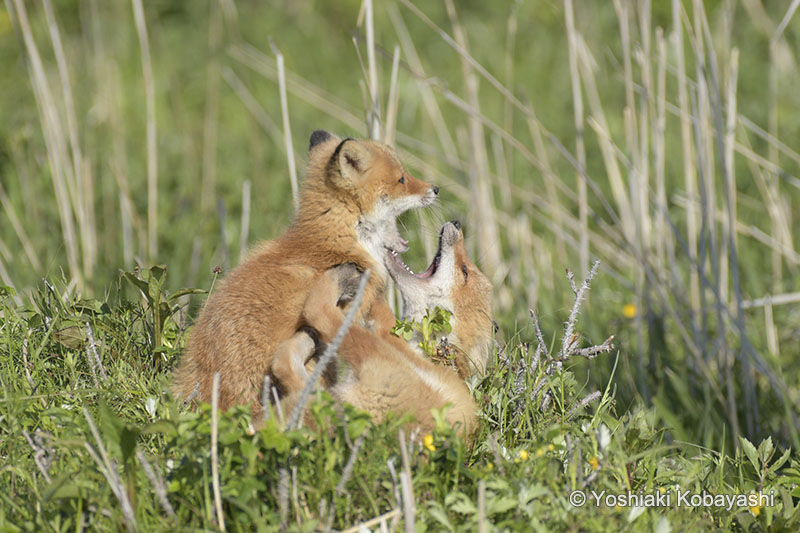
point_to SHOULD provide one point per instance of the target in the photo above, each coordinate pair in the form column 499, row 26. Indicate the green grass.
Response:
column 706, row 164
column 525, row 460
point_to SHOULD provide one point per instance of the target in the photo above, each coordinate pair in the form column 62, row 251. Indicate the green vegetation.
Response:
column 656, row 138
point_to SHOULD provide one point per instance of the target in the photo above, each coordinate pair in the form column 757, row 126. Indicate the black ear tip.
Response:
column 317, row 137
column 456, row 223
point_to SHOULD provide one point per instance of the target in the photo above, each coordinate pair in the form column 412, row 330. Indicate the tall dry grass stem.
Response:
column 287, row 127
column 152, row 140
column 214, row 451
column 54, row 140
column 245, row 223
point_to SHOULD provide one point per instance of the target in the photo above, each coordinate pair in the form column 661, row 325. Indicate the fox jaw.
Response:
column 444, row 284
column 372, row 179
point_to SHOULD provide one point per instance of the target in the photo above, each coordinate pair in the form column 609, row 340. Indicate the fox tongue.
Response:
column 430, row 270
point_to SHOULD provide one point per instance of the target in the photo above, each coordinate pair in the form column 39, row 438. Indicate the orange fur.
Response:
column 348, row 205
column 452, row 282
column 386, row 376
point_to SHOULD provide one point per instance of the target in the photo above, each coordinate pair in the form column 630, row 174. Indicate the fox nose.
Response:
column 456, row 223
column 435, row 189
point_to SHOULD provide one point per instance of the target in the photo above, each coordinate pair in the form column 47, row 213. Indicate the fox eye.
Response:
column 466, row 274
column 402, row 179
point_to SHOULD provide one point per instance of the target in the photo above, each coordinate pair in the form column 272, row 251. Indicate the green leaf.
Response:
column 780, row 461
column 62, row 487
column 461, row 504
column 765, row 449
column 163, row 427
column 6, row 291
column 750, row 452
column 274, row 438
column 500, row 505
column 158, row 274
column 438, row 514
column 118, row 435
column 357, row 425
column 138, row 283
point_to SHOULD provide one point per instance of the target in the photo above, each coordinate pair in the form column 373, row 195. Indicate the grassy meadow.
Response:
column 145, row 146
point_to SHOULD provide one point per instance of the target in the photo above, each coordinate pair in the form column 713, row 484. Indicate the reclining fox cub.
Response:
column 383, row 376
column 349, row 202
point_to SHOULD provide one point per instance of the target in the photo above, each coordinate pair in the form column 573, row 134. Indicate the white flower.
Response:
column 150, row 406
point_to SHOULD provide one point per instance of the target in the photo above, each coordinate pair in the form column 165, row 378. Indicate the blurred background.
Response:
column 658, row 138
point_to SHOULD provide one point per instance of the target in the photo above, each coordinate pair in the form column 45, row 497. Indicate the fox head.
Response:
column 451, row 282
column 369, row 180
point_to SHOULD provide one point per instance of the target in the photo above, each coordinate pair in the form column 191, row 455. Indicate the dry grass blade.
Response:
column 287, row 128
column 152, row 143
column 391, row 107
column 19, row 229
column 54, row 140
column 372, row 522
column 110, row 472
column 157, row 482
column 214, row 452
column 84, row 193
column 580, row 150
column 92, row 345
column 488, row 234
column 373, row 110
column 245, row 224
column 40, row 456
column 618, row 189
column 432, row 109
column 351, row 463
column 689, row 169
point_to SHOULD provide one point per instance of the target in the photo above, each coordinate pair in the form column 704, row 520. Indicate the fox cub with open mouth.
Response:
column 383, row 376
column 349, row 202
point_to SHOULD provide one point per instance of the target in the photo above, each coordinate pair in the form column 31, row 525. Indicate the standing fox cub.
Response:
column 352, row 194
column 384, row 376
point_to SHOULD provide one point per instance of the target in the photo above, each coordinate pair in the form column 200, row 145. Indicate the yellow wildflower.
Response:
column 629, row 310
column 427, row 441
column 550, row 447
column 754, row 498
column 523, row 455
column 595, row 462
column 540, row 452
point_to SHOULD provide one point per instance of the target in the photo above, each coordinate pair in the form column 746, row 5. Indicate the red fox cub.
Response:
column 453, row 283
column 349, row 202
column 383, row 376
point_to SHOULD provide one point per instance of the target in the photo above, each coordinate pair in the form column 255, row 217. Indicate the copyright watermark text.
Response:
column 670, row 498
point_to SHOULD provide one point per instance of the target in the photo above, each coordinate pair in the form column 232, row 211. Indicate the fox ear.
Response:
column 349, row 162
column 319, row 136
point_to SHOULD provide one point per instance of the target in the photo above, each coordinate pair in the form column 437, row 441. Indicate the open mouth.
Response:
column 428, row 273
